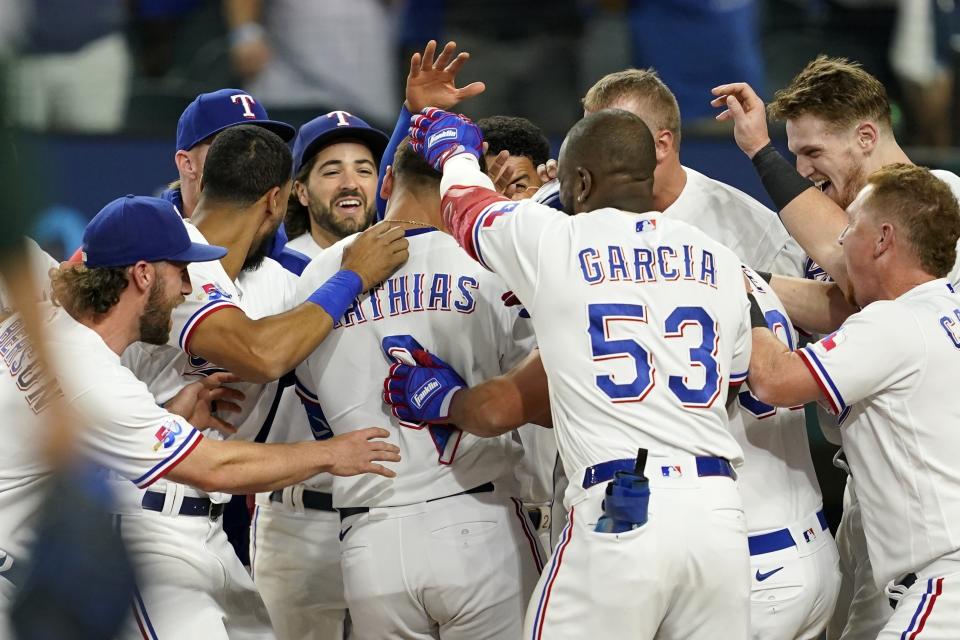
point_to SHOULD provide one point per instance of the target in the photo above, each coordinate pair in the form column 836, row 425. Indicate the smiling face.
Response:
column 830, row 157
column 340, row 189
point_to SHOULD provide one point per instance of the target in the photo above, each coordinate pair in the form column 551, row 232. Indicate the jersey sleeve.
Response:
column 127, row 432
column 211, row 293
column 306, row 390
column 740, row 365
column 874, row 349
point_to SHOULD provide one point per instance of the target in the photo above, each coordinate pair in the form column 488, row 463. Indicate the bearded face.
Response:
column 340, row 190
column 156, row 320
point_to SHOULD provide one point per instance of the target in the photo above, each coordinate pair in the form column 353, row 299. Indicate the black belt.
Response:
column 316, row 500
column 153, row 501
column 346, row 512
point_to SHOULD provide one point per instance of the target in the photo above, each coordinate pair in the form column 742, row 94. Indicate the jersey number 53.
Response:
column 603, row 317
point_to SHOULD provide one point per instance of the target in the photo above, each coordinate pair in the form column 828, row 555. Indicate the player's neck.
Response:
column 888, row 152
column 412, row 205
column 229, row 227
column 669, row 179
column 323, row 237
column 119, row 327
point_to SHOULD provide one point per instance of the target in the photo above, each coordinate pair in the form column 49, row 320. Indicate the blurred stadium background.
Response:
column 98, row 85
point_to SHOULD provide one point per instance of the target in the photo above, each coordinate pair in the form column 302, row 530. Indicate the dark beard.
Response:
column 322, row 215
column 256, row 257
column 155, row 319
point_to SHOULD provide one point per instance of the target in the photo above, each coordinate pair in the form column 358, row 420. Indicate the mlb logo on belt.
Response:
column 809, row 535
column 671, row 471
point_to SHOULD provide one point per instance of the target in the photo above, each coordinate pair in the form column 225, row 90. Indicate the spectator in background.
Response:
column 527, row 50
column 691, row 43
column 922, row 57
column 308, row 54
column 73, row 73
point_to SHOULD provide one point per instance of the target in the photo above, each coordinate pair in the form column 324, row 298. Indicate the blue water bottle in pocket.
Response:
column 626, row 500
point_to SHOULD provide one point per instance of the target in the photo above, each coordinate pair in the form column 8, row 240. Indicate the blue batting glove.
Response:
column 439, row 135
column 422, row 393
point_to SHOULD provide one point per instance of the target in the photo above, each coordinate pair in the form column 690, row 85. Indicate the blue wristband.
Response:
column 338, row 293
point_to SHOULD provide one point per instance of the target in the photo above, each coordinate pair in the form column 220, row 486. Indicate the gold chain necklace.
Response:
column 414, row 222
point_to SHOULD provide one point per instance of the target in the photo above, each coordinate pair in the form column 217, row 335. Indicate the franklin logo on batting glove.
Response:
column 423, row 394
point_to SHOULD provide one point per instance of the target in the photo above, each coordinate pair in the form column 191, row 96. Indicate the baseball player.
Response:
column 724, row 213
column 246, row 324
column 885, row 373
column 444, row 550
column 526, row 149
column 642, row 326
column 838, row 141
column 336, row 158
column 124, row 292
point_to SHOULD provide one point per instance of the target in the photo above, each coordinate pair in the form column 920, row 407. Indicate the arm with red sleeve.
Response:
column 502, row 235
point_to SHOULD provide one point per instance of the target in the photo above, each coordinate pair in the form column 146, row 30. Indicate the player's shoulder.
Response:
column 324, row 265
column 712, row 188
column 952, row 179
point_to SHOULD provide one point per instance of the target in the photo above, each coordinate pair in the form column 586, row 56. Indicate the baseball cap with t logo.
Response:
column 211, row 113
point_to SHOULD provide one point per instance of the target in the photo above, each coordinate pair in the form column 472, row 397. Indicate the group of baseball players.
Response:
column 537, row 399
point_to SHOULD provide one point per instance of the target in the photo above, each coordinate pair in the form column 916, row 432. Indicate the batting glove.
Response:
column 439, row 135
column 422, row 393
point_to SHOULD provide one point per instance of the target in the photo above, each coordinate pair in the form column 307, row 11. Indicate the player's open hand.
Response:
column 432, row 82
column 742, row 105
column 421, row 392
column 359, row 452
column 197, row 402
column 376, row 253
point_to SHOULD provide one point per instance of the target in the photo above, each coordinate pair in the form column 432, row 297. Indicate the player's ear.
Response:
column 184, row 163
column 273, row 201
column 300, row 189
column 885, row 240
column 663, row 144
column 142, row 276
column 867, row 136
column 584, row 185
column 386, row 189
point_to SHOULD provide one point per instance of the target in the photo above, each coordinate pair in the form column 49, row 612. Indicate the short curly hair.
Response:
column 836, row 90
column 519, row 136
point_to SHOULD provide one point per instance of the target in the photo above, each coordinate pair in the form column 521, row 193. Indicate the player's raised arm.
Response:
column 263, row 350
column 816, row 307
column 431, row 82
column 811, row 217
column 489, row 409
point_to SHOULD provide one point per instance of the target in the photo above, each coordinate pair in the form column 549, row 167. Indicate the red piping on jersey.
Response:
column 183, row 456
column 197, row 321
column 460, row 208
column 816, row 376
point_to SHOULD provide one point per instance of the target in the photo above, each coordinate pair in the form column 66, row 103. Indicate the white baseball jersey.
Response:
column 450, row 306
column 124, row 429
column 777, row 481
column 655, row 327
column 886, row 373
column 40, row 264
column 738, row 222
column 306, row 245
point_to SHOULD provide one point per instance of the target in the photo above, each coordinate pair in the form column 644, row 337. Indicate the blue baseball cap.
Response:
column 211, row 113
column 135, row 228
column 331, row 127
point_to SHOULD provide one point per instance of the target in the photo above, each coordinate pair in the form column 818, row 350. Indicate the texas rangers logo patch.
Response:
column 167, row 434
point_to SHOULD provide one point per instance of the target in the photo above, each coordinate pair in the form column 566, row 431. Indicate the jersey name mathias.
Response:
column 413, row 293
column 39, row 389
